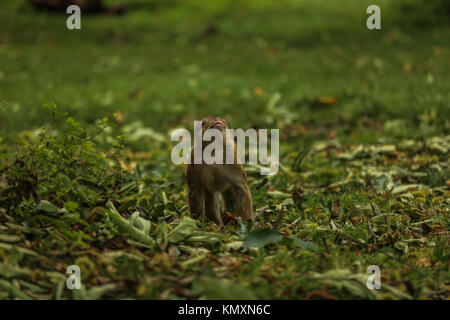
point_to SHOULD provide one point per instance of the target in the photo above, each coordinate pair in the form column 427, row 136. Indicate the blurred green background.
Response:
column 169, row 62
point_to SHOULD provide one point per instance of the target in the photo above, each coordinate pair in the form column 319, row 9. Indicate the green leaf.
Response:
column 205, row 237
column 71, row 206
column 396, row 292
column 13, row 290
column 186, row 227
column 405, row 187
column 9, row 271
column 126, row 225
column 261, row 238
column 140, row 223
column 278, row 195
column 303, row 244
column 10, row 238
column 298, row 162
column 94, row 293
column 47, row 207
column 234, row 245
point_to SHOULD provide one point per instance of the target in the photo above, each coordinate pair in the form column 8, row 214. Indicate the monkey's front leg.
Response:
column 196, row 202
column 243, row 200
column 212, row 207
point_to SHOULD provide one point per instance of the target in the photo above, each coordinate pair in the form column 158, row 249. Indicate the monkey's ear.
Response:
column 205, row 120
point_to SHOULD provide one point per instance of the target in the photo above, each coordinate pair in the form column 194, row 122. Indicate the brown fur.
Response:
column 209, row 182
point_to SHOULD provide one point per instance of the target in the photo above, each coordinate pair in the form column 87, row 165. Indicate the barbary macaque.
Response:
column 208, row 183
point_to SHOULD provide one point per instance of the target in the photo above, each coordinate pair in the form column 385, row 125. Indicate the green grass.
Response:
column 160, row 68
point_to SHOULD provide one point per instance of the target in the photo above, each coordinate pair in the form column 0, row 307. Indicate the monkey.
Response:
column 208, row 183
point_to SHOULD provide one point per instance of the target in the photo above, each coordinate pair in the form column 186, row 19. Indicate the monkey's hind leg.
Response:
column 212, row 207
column 228, row 200
column 196, row 203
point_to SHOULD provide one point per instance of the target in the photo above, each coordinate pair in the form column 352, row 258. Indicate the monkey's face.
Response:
column 212, row 122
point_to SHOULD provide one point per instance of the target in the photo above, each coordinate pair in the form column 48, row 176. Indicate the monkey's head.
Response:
column 213, row 122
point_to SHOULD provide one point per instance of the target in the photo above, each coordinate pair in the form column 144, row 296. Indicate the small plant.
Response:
column 61, row 166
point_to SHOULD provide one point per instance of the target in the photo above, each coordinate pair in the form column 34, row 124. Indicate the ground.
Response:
column 87, row 179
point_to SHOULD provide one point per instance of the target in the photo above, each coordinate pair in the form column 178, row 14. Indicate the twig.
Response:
column 47, row 134
column 375, row 208
column 325, row 245
column 277, row 223
column 371, row 230
column 439, row 292
column 31, row 153
column 18, row 153
column 261, row 211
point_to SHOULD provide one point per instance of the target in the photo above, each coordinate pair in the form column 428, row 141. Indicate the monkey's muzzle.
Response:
column 218, row 125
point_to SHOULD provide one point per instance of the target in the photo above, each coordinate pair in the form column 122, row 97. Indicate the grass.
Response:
column 369, row 109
